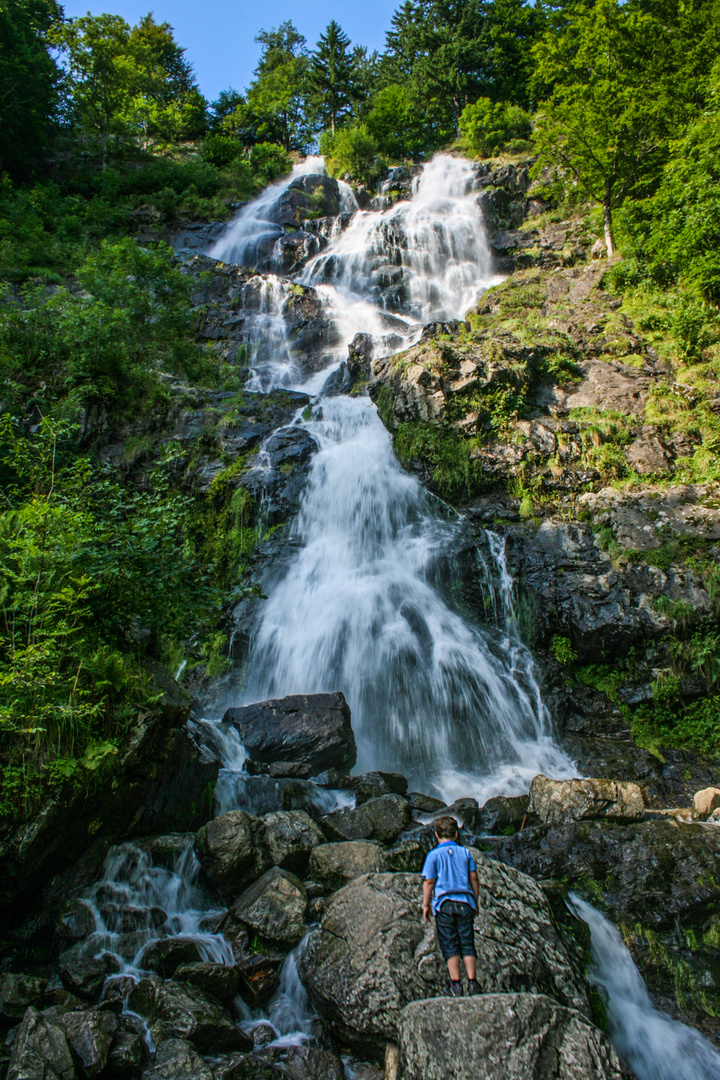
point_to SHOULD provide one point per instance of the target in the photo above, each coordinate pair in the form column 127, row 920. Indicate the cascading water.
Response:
column 655, row 1046
column 455, row 709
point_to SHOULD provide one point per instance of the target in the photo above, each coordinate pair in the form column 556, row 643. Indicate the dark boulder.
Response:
column 275, row 908
column 90, row 1035
column 17, row 992
column 232, row 850
column 504, row 815
column 513, row 1036
column 307, row 197
column 166, row 954
column 312, row 1063
column 176, row 1011
column 40, row 1050
column 334, row 865
column 85, row 976
column 374, row 784
column 128, row 1054
column 75, row 921
column 219, row 980
column 246, row 1067
column 259, row 980
column 176, row 1059
column 291, row 836
column 314, row 729
column 381, row 819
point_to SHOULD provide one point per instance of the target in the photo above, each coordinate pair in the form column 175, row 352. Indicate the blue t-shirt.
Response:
column 449, row 865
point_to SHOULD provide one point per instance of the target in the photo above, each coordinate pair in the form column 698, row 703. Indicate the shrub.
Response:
column 352, row 152
column 220, row 150
column 487, row 127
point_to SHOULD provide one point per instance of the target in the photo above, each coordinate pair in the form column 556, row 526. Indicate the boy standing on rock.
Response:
column 449, row 871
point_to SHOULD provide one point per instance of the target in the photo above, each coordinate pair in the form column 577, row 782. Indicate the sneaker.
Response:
column 473, row 987
column 454, row 990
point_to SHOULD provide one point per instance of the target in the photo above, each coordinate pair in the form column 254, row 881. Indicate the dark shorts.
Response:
column 455, row 929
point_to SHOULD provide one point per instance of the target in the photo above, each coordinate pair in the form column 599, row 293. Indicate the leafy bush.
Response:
column 352, row 152
column 220, row 150
column 269, row 161
column 487, row 127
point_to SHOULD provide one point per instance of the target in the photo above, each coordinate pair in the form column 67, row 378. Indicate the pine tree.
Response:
column 332, row 74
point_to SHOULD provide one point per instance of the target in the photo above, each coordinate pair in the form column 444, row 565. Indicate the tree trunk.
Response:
column 607, row 213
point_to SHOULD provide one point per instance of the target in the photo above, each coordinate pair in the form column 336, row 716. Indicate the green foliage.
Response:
column 220, row 150
column 352, row 152
column 332, row 77
column 487, row 127
column 394, row 122
column 563, row 651
column 453, row 473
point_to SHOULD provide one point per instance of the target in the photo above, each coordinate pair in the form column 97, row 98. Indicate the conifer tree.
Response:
column 332, row 73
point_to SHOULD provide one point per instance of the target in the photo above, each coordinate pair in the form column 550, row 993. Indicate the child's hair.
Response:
column 446, row 827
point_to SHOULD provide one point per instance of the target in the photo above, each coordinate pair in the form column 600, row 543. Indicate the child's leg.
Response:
column 454, row 967
column 470, row 967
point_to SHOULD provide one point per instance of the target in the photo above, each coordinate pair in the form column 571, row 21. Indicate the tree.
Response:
column 277, row 98
column 332, row 76
column 29, row 80
column 168, row 106
column 102, row 75
column 604, row 128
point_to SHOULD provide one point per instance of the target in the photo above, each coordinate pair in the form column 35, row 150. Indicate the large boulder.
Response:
column 313, row 729
column 16, row 993
column 374, row 784
column 381, row 819
column 373, row 954
column 166, row 954
column 232, row 850
column 334, row 865
column 182, row 1012
column 513, row 1036
column 558, row 801
column 221, row 981
column 90, row 1035
column 40, row 1050
column 177, row 1060
column 291, row 836
column 275, row 908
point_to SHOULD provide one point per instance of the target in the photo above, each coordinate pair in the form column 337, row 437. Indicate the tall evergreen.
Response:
column 332, row 73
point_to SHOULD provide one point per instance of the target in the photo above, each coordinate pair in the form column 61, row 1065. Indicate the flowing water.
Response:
column 655, row 1046
column 363, row 606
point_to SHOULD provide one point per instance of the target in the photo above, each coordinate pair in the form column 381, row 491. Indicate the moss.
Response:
column 454, row 474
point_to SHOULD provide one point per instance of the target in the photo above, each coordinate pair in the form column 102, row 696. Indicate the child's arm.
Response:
column 475, row 886
column 428, row 889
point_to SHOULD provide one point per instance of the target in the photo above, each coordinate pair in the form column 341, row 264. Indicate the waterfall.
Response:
column 455, row 708
column 655, row 1046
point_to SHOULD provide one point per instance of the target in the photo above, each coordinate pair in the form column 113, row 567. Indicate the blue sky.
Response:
column 218, row 35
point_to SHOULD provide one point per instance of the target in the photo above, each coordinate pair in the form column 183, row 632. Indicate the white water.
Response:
column 455, row 709
column 655, row 1046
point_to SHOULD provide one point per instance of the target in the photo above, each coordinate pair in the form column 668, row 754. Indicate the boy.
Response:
column 449, row 871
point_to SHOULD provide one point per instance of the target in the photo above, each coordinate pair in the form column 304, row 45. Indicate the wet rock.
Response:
column 262, row 1033
column 258, row 980
column 503, row 814
column 294, row 770
column 373, row 954
column 334, row 865
column 17, row 992
column 219, row 980
column 705, row 802
column 40, row 1050
column 166, row 954
column 313, row 1063
column 128, row 1055
column 381, row 819
column 291, row 836
column 167, row 850
column 424, row 804
column 85, row 976
column 246, row 1067
column 176, row 1059
column 374, row 784
column 408, row 856
column 465, row 811
column 275, row 908
column 515, row 1036
column 61, row 999
column 314, row 729
column 307, row 197
column 75, row 921
column 177, row 1011
column 232, row 850
column 558, row 801
column 89, row 1035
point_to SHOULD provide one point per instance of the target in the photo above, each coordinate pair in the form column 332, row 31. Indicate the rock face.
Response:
column 90, row 1035
column 16, row 993
column 232, row 850
column 291, row 837
column 40, row 1050
column 334, row 865
column 275, row 908
column 513, row 1036
column 558, row 801
column 313, row 729
column 381, row 819
column 182, row 1012
column 373, row 954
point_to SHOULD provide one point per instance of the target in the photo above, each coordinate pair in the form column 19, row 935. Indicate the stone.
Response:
column 246, row 1067
column 312, row 1063
column 465, row 811
column 557, row 801
column 258, row 980
column 127, row 1056
column 75, row 921
column 166, row 954
column 705, row 802
column 373, row 954
column 648, row 456
column 513, row 1036
column 380, row 819
column 40, row 1050
column 232, row 850
column 90, row 1035
column 167, row 850
column 176, row 1011
column 85, row 976
column 220, row 980
column 374, row 784
column 177, row 1059
column 291, row 836
column 334, row 865
column 314, row 729
column 424, row 804
column 503, row 814
column 17, row 992
column 275, row 907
